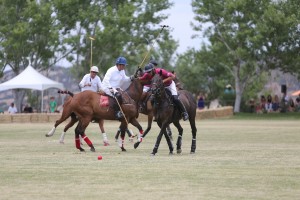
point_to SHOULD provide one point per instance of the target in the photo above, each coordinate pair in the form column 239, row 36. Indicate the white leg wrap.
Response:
column 62, row 138
column 105, row 140
column 140, row 137
column 51, row 132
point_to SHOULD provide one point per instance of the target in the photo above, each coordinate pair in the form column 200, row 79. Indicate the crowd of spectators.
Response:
column 274, row 104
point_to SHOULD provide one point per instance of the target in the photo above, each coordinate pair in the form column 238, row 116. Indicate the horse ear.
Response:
column 138, row 72
column 160, row 72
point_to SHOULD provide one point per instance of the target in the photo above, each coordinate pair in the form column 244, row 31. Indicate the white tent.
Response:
column 31, row 79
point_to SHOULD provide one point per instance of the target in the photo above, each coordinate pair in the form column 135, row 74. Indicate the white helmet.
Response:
column 94, row 69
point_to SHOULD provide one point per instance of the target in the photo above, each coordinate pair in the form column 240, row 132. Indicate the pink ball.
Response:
column 100, row 157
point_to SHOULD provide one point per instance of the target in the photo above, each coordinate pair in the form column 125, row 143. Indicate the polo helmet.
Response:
column 148, row 67
column 94, row 69
column 121, row 61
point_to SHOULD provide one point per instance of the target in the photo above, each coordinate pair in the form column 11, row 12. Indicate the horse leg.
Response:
column 150, row 118
column 104, row 136
column 80, row 131
column 130, row 135
column 69, row 125
column 162, row 131
column 123, row 127
column 141, row 132
column 77, row 139
column 169, row 131
column 58, row 122
column 117, row 134
column 171, row 148
column 194, row 133
column 179, row 139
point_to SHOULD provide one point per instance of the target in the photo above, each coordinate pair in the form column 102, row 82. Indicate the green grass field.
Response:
column 237, row 158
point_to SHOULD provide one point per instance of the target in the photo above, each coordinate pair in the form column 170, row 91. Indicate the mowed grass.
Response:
column 235, row 159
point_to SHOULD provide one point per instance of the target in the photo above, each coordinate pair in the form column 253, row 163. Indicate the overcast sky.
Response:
column 180, row 18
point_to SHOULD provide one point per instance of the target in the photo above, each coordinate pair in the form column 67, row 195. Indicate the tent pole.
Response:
column 42, row 108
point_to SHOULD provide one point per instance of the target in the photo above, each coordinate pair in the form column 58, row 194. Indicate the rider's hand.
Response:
column 112, row 91
column 132, row 77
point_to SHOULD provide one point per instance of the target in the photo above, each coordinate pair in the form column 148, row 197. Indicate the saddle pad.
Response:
column 104, row 102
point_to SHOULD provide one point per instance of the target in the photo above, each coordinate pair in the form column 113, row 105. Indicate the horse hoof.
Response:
column 61, row 142
column 192, row 152
column 82, row 150
column 152, row 154
column 123, row 149
column 171, row 153
column 106, row 144
column 179, row 151
column 93, row 149
column 136, row 145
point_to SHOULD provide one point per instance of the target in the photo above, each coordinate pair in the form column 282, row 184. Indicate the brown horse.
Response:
column 166, row 113
column 73, row 120
column 85, row 106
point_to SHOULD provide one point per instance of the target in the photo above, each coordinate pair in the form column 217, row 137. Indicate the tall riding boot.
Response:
column 142, row 103
column 177, row 101
column 118, row 113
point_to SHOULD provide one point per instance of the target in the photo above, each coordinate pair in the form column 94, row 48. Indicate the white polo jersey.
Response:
column 114, row 79
column 96, row 84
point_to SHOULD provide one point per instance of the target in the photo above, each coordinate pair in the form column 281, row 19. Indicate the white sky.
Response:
column 180, row 18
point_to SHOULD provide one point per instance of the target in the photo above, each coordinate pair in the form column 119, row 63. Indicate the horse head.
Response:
column 157, row 86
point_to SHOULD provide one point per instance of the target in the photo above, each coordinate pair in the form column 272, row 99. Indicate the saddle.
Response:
column 103, row 101
column 121, row 96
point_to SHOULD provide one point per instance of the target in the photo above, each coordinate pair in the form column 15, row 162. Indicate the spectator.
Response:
column 297, row 104
column 52, row 105
column 201, row 103
column 252, row 105
column 291, row 105
column 276, row 104
column 12, row 109
column 268, row 104
column 284, row 103
column 263, row 102
column 27, row 109
column 228, row 89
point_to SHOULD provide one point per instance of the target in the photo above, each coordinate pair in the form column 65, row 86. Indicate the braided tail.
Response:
column 65, row 92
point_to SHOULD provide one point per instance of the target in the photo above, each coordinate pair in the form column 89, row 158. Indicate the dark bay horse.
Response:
column 166, row 113
column 85, row 106
column 148, row 110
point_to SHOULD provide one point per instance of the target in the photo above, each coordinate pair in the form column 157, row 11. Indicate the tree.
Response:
column 250, row 36
column 27, row 35
column 119, row 28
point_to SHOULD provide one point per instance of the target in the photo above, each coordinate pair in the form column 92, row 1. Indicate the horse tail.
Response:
column 65, row 92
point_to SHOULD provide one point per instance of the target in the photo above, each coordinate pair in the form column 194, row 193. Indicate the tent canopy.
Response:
column 30, row 79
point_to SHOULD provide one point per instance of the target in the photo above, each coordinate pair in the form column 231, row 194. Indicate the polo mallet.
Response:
column 92, row 39
column 151, row 44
